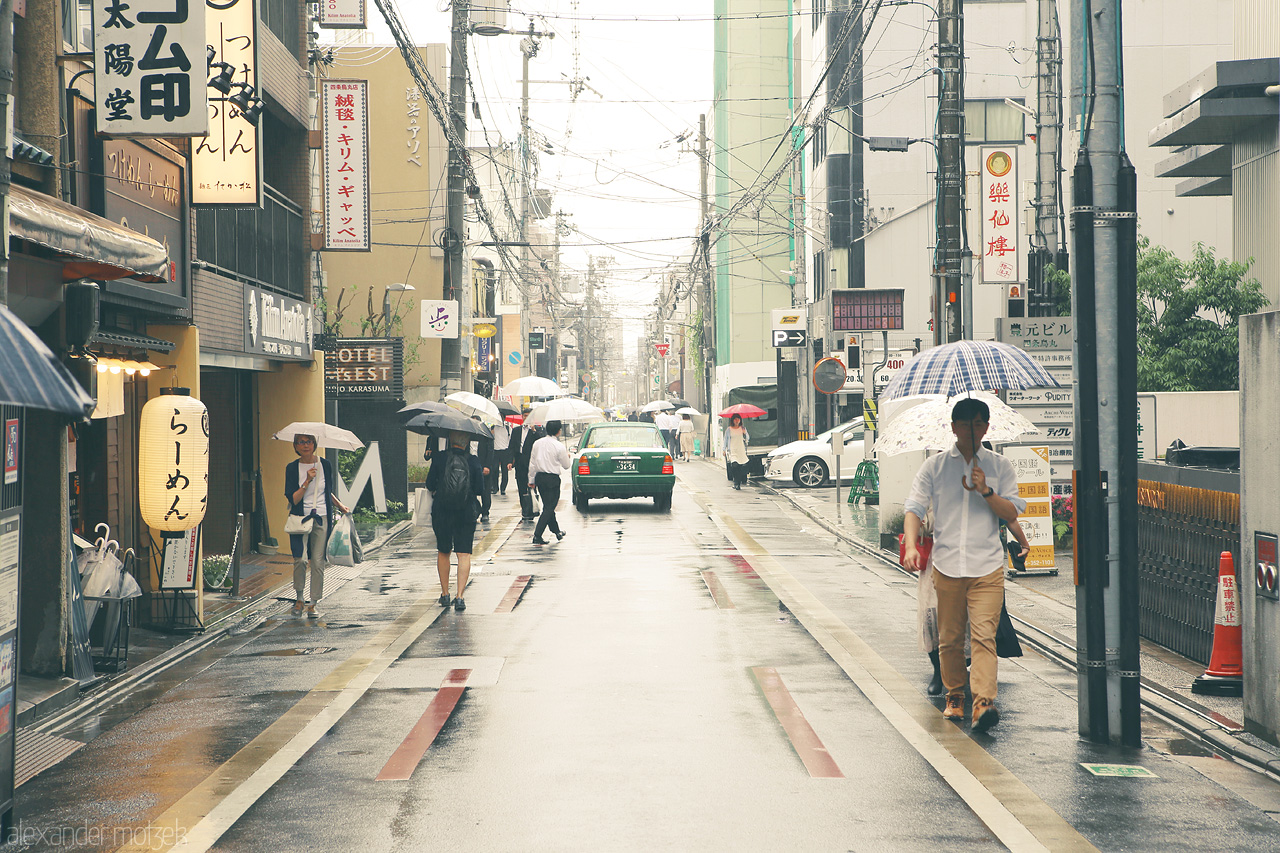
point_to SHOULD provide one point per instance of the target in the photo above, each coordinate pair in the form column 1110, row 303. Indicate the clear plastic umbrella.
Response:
column 565, row 409
column 531, row 386
column 656, row 406
column 332, row 437
column 928, row 426
column 473, row 404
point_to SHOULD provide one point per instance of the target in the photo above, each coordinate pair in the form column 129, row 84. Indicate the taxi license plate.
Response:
column 626, row 465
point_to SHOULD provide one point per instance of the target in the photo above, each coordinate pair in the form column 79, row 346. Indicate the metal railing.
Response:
column 264, row 245
column 1182, row 530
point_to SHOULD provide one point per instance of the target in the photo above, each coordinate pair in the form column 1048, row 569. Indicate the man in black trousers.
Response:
column 522, row 439
column 548, row 458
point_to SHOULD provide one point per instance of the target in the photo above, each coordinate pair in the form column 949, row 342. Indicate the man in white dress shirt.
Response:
column 546, row 460
column 971, row 490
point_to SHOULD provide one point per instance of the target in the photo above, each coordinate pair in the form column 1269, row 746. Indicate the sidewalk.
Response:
column 1047, row 605
column 264, row 581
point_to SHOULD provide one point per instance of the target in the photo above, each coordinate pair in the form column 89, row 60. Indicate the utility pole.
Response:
column 455, row 243
column 1046, row 246
column 949, row 199
column 708, row 300
column 528, row 49
column 6, row 132
column 1104, row 302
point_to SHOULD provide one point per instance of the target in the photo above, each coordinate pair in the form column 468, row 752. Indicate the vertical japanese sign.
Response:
column 226, row 166
column 342, row 14
column 1000, row 246
column 11, row 446
column 344, row 106
column 1031, row 465
column 413, row 111
column 149, row 68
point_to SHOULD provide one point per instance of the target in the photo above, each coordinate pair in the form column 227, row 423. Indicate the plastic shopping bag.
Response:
column 339, row 550
column 927, row 611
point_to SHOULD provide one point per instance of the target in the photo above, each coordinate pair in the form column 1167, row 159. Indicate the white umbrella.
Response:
column 332, row 437
column 531, row 386
column 474, row 404
column 928, row 426
column 656, row 406
column 687, row 410
column 565, row 409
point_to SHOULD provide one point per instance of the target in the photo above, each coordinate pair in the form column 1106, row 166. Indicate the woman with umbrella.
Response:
column 309, row 484
column 736, row 439
column 456, row 481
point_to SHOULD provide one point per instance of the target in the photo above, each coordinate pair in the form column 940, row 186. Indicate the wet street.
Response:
column 718, row 677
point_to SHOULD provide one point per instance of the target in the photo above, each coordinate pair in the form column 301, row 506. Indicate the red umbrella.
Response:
column 746, row 410
column 514, row 419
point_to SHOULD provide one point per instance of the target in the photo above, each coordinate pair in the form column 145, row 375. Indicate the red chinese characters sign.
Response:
column 1000, row 250
column 344, row 105
column 662, row 349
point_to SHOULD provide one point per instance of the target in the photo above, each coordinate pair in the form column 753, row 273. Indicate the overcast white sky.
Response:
column 631, row 188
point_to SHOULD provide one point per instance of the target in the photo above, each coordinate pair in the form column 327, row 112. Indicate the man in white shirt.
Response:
column 971, row 490
column 501, row 458
column 546, row 460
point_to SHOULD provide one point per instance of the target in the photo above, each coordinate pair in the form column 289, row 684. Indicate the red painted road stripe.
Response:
column 404, row 760
column 717, row 591
column 512, row 598
column 808, row 746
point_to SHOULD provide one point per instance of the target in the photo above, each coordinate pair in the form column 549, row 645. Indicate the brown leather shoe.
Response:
column 955, row 707
column 985, row 715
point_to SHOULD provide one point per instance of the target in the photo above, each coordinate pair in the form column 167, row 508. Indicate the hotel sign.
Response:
column 365, row 368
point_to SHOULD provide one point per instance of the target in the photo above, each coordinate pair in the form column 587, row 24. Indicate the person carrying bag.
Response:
column 309, row 484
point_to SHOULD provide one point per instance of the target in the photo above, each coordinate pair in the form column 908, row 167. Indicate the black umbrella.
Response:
column 442, row 423
column 31, row 375
column 678, row 403
column 506, row 408
column 414, row 409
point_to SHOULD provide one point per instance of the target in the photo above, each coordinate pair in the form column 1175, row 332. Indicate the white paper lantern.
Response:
column 173, row 461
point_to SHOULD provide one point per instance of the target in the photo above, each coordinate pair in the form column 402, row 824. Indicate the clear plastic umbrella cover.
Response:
column 928, row 426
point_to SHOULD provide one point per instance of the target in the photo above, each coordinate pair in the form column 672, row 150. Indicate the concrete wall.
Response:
column 1204, row 418
column 1259, row 511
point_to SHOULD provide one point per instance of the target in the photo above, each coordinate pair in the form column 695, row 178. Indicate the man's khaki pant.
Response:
column 979, row 600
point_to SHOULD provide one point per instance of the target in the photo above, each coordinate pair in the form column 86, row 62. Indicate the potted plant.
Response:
column 216, row 570
column 1064, row 516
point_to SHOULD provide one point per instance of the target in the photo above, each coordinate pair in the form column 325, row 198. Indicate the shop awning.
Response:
column 132, row 340
column 92, row 247
column 31, row 375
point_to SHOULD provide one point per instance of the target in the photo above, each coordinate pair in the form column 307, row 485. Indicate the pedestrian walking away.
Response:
column 972, row 490
column 309, row 485
column 483, row 450
column 736, row 439
column 501, row 458
column 522, row 440
column 686, row 438
column 546, row 460
column 456, row 481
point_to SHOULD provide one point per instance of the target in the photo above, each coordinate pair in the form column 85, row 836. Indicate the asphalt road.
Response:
column 719, row 677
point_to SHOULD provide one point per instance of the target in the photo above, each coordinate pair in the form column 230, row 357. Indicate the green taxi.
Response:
column 622, row 460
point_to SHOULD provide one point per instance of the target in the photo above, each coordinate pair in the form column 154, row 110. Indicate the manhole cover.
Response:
column 289, row 653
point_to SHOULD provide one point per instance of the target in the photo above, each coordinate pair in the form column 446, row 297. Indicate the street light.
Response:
column 386, row 304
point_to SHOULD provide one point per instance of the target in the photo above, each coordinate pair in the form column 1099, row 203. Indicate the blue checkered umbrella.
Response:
column 962, row 366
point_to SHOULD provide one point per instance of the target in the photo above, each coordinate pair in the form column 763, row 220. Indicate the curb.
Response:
column 1217, row 737
column 213, row 632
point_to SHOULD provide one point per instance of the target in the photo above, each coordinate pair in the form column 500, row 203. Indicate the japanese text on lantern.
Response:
column 1000, row 262
column 345, row 105
column 149, row 68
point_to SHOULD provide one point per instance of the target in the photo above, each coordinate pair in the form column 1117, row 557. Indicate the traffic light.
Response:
column 853, row 353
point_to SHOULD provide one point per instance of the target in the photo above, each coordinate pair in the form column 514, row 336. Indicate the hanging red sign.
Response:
column 662, row 348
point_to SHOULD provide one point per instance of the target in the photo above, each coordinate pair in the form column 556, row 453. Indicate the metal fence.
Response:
column 262, row 245
column 1182, row 530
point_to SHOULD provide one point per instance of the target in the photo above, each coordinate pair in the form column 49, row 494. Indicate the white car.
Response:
column 811, row 463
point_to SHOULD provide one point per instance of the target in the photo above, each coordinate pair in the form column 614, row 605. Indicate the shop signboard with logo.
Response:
column 342, row 15
column 143, row 186
column 277, row 326
column 226, row 165
column 1000, row 244
column 366, row 369
column 1031, row 466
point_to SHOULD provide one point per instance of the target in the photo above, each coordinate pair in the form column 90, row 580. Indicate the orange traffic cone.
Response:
column 1225, row 675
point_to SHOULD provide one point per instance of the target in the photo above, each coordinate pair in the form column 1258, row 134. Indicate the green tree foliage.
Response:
column 1188, row 319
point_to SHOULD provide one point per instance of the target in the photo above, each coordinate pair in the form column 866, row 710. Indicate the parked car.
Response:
column 622, row 460
column 811, row 463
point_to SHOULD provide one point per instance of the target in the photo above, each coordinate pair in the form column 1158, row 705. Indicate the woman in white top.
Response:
column 309, row 485
column 686, row 438
column 736, row 439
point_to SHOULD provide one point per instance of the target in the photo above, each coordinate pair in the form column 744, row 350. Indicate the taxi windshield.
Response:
column 619, row 436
